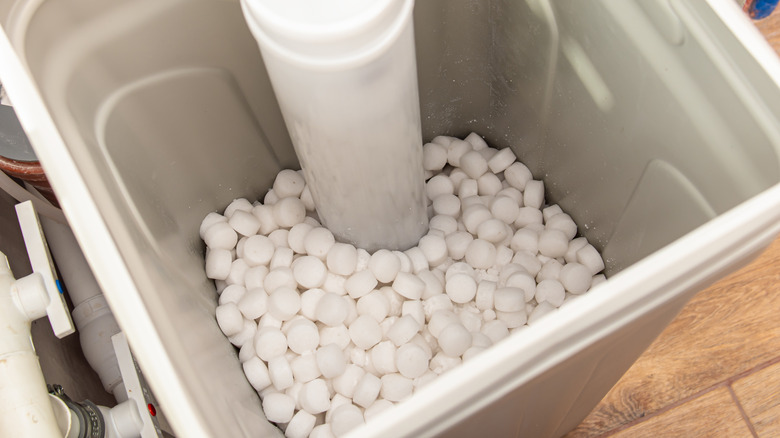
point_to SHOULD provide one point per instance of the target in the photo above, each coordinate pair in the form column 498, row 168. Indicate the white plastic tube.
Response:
column 344, row 73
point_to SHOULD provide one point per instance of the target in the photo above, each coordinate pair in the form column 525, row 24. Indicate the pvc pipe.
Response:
column 345, row 76
column 25, row 408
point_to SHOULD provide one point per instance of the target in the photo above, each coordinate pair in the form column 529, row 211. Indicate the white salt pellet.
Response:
column 574, row 246
column 489, row 184
column 270, row 342
column 525, row 240
column 280, row 372
column 301, row 425
column 322, row 431
column 338, row 335
column 446, row 204
column 342, row 259
column 284, row 303
column 278, row 407
column 346, row 383
column 383, row 357
column 240, row 247
column 540, row 311
column 289, row 211
column 447, row 224
column 575, row 278
column 331, row 361
column 229, row 319
column 492, row 230
column 309, row 272
column 269, row 320
column 256, row 373
column 477, row 142
column 218, row 264
column 550, row 211
column 456, row 150
column 307, row 199
column 550, row 270
column 496, row 330
column 461, row 288
column 253, row 304
column 409, row 286
column 472, row 320
column 480, row 254
column 331, row 309
column 433, row 284
column 244, row 223
column 387, row 324
column 367, row 390
column 245, row 335
column 376, row 408
column 439, row 185
column 351, row 310
column 363, row 257
column 237, row 271
column 210, row 219
column 589, row 257
column 411, row 360
column 305, row 368
column 488, row 315
column 220, row 236
column 505, row 209
column 523, row 281
column 282, row 258
column 564, row 223
column 318, row 242
column 247, row 351
column 440, row 319
column 528, row 216
column 255, row 277
column 518, row 175
column 258, row 250
column 414, row 308
column 504, row 255
column 265, row 214
column 310, row 303
column 434, row 156
column 454, row 339
column 435, row 303
column 468, row 188
column 334, row 283
column 346, row 417
column 420, row 341
column 509, row 299
column 279, row 277
column 365, row 332
column 474, row 164
column 533, row 195
column 479, row 339
column 474, row 215
column 551, row 291
column 239, row 204
column 270, row 198
column 512, row 319
column 303, row 336
column 425, row 379
column 360, row 283
column 471, row 353
column 336, row 401
column 396, row 387
column 598, row 279
column 434, row 248
column 441, row 363
column 385, row 265
column 457, row 244
column 315, row 397
column 296, row 236
column 288, row 183
column 502, row 160
column 403, row 330
column 375, row 304
column 484, row 295
column 417, row 258
column 553, row 243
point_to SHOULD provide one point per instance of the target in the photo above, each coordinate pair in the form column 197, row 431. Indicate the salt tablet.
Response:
column 239, row 204
column 441, row 363
column 474, row 215
column 305, row 368
column 505, row 209
column 210, row 219
column 284, row 303
column 509, row 299
column 309, row 272
column 218, row 264
column 296, row 236
column 553, row 243
column 589, row 257
column 256, row 373
column 446, row 204
column 288, row 183
column 477, row 142
column 447, row 224
column 434, row 248
column 345, row 418
column 338, row 335
column 289, row 211
column 575, row 278
column 315, row 397
column 301, row 425
column 461, row 288
column 403, row 330
column 331, row 309
column 253, row 304
column 528, row 216
column 489, row 184
column 411, row 360
column 434, row 157
column 238, row 269
column 533, row 195
column 342, row 259
column 244, row 223
column 574, row 246
column 439, row 185
column 517, row 175
column 523, row 281
column 435, row 303
column 258, row 250
column 480, row 254
column 385, row 265
column 282, row 258
column 457, row 243
column 334, row 283
column 376, row 408
column 564, row 223
column 409, row 286
column 540, row 311
column 471, row 320
column 492, row 230
column 280, row 372
column 279, row 277
column 269, row 343
column 484, row 295
column 441, row 319
column 229, row 319
column 551, row 291
column 278, row 407
column 366, row 390
column 414, row 308
column 365, row 332
column 220, row 236
column 396, row 387
column 375, row 304
column 496, row 330
column 346, row 383
column 474, row 164
column 331, row 361
column 417, row 259
column 513, row 319
column 318, row 242
column 454, row 339
column 550, row 270
column 310, row 303
column 383, row 357
column 270, row 198
column 360, row 283
column 456, row 150
column 550, row 211
column 502, row 160
column 265, row 214
column 303, row 336
column 308, row 200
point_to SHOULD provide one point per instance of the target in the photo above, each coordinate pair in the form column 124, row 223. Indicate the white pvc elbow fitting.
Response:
column 345, row 76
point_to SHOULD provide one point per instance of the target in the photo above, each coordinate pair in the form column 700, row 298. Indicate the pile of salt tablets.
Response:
column 330, row 335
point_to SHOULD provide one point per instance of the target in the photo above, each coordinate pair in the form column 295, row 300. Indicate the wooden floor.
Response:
column 715, row 371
